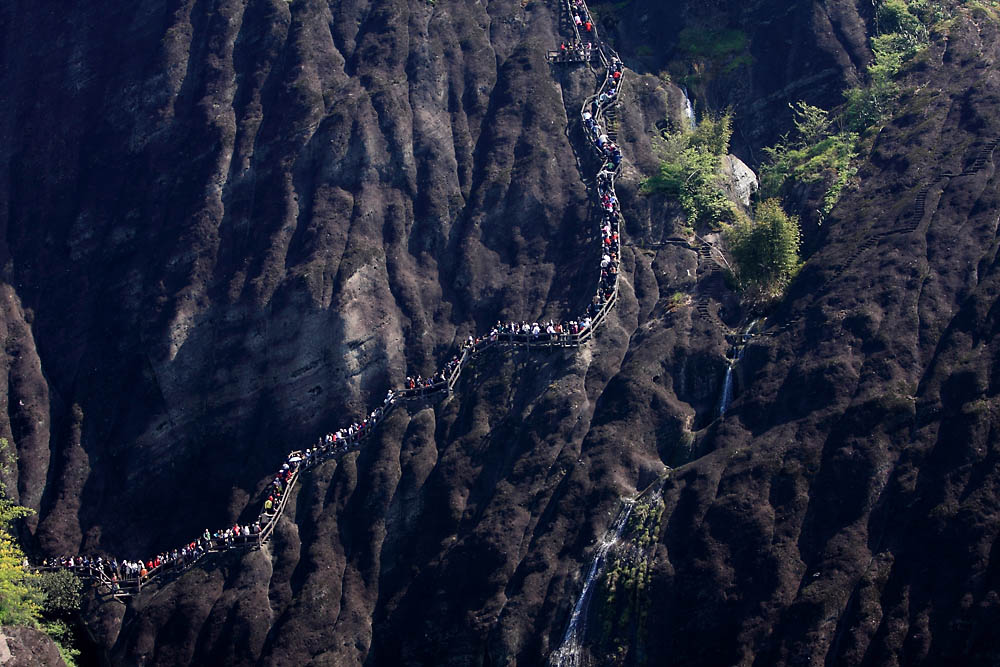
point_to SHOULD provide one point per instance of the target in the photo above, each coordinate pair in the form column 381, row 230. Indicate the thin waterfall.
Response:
column 727, row 383
column 727, row 386
column 569, row 653
column 688, row 109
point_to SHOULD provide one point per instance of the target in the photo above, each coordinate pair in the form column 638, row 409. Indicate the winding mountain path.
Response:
column 598, row 114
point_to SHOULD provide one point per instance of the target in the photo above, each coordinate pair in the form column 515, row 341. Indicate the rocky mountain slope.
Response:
column 24, row 647
column 230, row 225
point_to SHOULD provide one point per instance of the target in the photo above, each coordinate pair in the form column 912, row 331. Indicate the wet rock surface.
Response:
column 229, row 225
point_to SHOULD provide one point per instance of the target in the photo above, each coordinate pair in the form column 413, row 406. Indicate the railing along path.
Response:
column 125, row 578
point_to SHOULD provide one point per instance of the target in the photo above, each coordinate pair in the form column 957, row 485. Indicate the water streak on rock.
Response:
column 569, row 653
column 727, row 387
column 689, row 109
column 727, row 383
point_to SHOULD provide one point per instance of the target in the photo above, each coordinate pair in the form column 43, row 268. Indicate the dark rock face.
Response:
column 229, row 225
column 793, row 51
column 27, row 647
column 256, row 215
column 849, row 513
column 252, row 208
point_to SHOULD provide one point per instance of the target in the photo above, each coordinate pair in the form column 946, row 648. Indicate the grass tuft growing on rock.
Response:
column 901, row 32
column 816, row 156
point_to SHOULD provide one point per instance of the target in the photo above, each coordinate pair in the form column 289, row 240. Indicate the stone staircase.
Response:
column 713, row 288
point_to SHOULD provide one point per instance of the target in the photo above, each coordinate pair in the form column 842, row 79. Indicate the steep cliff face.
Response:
column 849, row 514
column 755, row 56
column 229, row 224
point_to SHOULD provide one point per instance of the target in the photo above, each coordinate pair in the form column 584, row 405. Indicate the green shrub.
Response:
column 690, row 171
column 901, row 34
column 23, row 597
column 894, row 17
column 61, row 634
column 870, row 105
column 816, row 155
column 62, row 591
column 929, row 12
column 765, row 250
column 712, row 134
column 20, row 599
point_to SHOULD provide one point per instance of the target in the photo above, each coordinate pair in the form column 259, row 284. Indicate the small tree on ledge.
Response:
column 765, row 251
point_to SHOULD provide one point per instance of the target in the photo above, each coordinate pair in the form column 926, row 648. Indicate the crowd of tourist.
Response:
column 130, row 574
column 575, row 51
column 581, row 17
column 123, row 573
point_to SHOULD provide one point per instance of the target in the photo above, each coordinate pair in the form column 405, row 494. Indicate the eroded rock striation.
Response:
column 229, row 225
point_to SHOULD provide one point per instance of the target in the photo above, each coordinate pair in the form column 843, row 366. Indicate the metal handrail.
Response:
column 265, row 530
column 569, row 10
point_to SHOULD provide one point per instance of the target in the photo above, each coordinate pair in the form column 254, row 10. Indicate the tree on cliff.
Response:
column 20, row 598
column 38, row 601
column 765, row 251
column 689, row 171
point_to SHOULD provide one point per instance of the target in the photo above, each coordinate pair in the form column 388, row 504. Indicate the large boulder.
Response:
column 739, row 181
column 26, row 647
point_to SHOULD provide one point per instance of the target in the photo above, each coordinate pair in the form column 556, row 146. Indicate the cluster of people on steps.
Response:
column 581, row 17
column 436, row 381
column 575, row 51
column 128, row 575
column 609, row 230
column 118, row 573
